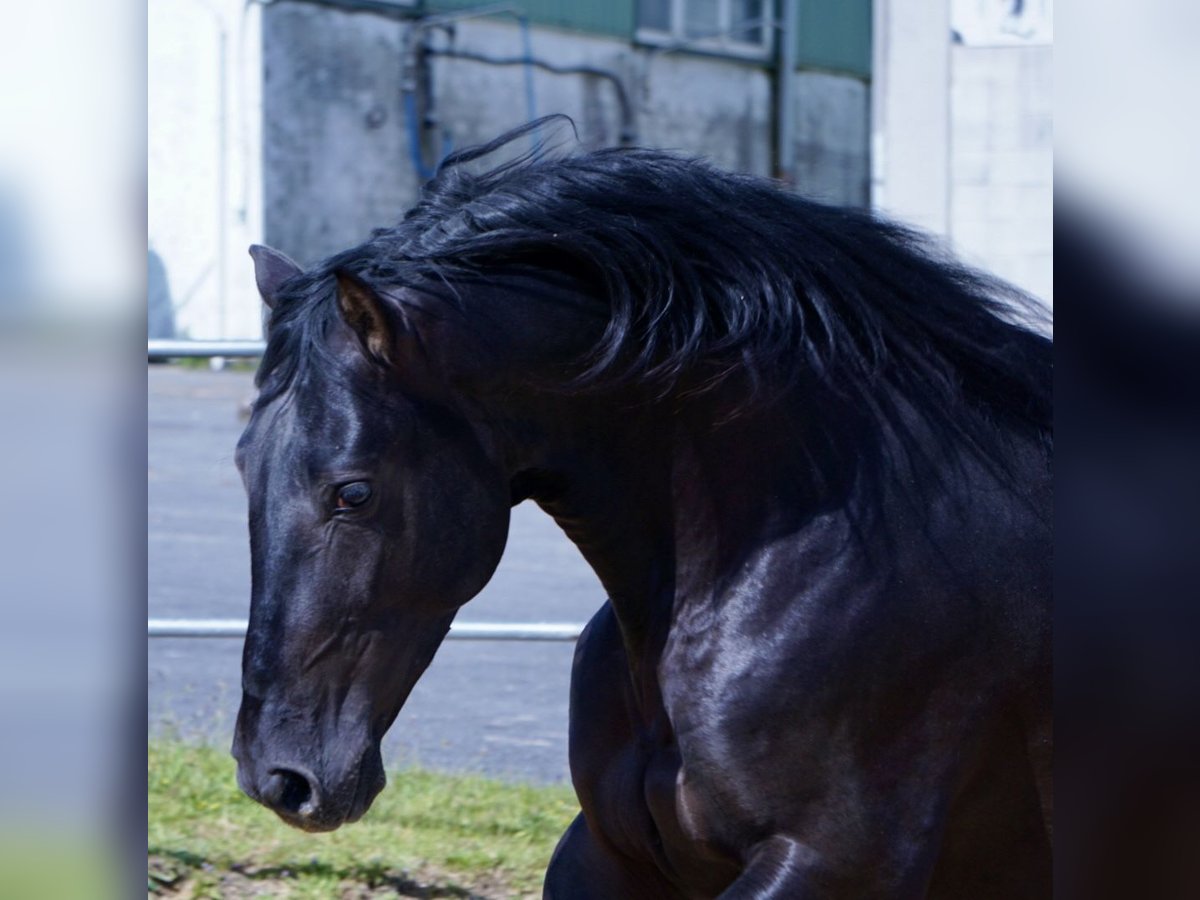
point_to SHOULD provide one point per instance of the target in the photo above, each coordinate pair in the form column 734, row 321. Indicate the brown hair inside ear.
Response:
column 363, row 310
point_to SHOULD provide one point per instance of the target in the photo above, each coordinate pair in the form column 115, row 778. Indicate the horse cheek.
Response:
column 455, row 542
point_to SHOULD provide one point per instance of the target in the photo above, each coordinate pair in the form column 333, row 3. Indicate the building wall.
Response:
column 833, row 114
column 955, row 137
column 337, row 160
column 204, row 165
column 335, row 155
column 962, row 130
column 284, row 124
column 910, row 112
column 1002, row 162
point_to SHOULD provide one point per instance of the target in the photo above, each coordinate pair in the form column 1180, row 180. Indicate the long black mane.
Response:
column 707, row 275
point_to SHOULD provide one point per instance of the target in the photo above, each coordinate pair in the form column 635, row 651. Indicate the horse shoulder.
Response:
column 839, row 708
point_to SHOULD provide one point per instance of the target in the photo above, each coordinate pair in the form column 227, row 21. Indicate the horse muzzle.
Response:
column 307, row 801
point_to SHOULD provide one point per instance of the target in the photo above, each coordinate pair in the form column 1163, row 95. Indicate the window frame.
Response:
column 720, row 44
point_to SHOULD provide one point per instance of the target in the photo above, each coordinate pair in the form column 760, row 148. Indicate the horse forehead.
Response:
column 319, row 404
column 293, row 427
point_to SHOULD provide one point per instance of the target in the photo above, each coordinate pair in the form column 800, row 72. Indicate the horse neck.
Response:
column 603, row 473
column 659, row 499
column 672, row 504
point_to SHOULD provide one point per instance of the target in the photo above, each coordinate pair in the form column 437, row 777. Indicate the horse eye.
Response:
column 354, row 494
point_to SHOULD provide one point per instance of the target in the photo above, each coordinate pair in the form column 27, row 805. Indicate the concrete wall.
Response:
column 1002, row 162
column 833, row 118
column 335, row 145
column 204, row 164
column 285, row 124
column 335, row 157
column 910, row 112
column 962, row 133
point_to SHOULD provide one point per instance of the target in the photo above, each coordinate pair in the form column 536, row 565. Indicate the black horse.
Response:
column 807, row 456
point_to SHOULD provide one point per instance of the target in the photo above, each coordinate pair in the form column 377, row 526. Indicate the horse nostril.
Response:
column 289, row 791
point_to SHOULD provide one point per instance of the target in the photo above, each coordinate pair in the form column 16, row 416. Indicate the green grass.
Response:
column 231, row 365
column 427, row 835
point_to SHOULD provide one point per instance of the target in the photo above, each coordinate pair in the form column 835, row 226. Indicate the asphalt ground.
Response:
column 494, row 707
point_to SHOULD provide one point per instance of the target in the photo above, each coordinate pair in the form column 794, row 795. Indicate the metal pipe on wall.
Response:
column 785, row 92
column 628, row 133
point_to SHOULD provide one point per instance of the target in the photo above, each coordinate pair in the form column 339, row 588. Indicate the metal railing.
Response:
column 164, row 349
column 236, row 628
column 461, row 631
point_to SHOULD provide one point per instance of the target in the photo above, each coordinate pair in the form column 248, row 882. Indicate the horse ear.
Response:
column 364, row 311
column 271, row 270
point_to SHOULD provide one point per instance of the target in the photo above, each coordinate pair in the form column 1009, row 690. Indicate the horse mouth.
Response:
column 295, row 794
column 315, row 816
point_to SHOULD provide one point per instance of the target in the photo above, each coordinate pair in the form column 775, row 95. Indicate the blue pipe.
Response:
column 424, row 172
column 530, row 103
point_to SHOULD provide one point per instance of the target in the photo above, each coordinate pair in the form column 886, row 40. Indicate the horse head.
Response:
column 376, row 511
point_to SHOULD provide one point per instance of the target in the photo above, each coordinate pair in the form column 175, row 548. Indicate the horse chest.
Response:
column 644, row 806
column 628, row 770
